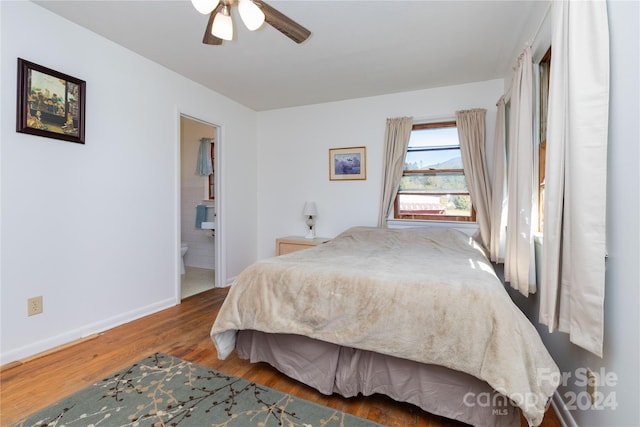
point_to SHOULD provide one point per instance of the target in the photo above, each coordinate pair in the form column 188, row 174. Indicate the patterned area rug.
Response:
column 163, row 390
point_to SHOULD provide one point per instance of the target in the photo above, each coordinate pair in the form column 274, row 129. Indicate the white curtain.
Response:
column 499, row 192
column 519, row 258
column 471, row 133
column 573, row 261
column 396, row 141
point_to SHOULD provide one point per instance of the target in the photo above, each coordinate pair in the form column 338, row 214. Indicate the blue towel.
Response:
column 201, row 215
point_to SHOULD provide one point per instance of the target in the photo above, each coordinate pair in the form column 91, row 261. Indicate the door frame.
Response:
column 219, row 201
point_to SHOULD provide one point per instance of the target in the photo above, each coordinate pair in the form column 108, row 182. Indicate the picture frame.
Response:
column 50, row 103
column 348, row 163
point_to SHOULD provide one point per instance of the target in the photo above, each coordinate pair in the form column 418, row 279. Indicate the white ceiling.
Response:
column 356, row 49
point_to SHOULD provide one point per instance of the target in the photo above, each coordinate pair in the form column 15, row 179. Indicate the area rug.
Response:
column 163, row 390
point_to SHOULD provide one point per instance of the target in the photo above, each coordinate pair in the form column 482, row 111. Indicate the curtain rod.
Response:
column 544, row 18
column 507, row 94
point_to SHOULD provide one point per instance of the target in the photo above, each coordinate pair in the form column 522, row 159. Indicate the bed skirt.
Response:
column 330, row 368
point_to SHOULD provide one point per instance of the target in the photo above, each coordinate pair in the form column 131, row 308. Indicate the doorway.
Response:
column 199, row 206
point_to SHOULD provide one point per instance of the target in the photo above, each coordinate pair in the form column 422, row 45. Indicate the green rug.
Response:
column 163, row 390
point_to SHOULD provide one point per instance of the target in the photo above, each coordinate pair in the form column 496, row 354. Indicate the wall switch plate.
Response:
column 34, row 305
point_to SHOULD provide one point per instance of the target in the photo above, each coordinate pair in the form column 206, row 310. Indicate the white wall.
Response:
column 294, row 143
column 94, row 228
column 194, row 190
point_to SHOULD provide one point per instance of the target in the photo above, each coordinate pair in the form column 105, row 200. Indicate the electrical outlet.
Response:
column 34, row 306
column 592, row 386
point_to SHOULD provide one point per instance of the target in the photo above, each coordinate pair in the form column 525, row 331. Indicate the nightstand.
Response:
column 286, row 245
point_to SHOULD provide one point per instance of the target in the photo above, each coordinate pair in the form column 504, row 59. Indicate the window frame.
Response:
column 543, row 95
column 433, row 172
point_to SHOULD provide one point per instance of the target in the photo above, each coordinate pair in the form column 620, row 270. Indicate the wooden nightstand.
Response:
column 286, row 245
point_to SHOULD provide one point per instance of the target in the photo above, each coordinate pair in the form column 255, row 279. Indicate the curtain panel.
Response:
column 471, row 133
column 574, row 242
column 396, row 141
column 519, row 261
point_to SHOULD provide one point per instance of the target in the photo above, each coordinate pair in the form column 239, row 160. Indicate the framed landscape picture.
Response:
column 50, row 103
column 347, row 163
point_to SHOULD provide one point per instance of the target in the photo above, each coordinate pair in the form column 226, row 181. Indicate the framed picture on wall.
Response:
column 347, row 163
column 50, row 103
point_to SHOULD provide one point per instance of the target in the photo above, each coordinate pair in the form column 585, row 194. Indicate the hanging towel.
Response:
column 204, row 167
column 201, row 215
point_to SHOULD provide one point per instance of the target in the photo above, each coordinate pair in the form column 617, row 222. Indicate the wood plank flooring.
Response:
column 182, row 331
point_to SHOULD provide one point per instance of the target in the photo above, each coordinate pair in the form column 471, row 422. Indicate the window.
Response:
column 433, row 186
column 545, row 68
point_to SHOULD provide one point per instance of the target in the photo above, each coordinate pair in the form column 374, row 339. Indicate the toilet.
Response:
column 183, row 250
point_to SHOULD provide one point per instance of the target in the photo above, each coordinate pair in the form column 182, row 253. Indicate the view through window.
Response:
column 433, row 185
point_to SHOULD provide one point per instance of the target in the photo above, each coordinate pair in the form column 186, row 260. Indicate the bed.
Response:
column 416, row 314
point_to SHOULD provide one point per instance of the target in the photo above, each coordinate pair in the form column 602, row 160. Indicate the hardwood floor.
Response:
column 182, row 331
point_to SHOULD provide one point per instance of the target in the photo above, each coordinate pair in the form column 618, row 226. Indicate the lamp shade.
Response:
column 251, row 15
column 205, row 6
column 223, row 25
column 310, row 209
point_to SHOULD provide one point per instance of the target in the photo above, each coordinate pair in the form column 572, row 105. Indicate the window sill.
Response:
column 537, row 238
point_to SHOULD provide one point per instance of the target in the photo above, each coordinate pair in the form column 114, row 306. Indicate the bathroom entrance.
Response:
column 198, row 141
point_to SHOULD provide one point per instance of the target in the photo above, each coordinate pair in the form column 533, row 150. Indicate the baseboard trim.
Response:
column 13, row 357
column 563, row 413
column 230, row 281
column 21, row 362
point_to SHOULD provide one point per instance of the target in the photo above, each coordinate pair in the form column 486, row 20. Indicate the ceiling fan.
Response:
column 253, row 13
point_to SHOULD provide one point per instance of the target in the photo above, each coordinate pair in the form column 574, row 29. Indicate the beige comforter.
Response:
column 428, row 295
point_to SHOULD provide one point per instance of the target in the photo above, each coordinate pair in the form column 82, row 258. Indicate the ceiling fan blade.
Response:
column 282, row 23
column 208, row 37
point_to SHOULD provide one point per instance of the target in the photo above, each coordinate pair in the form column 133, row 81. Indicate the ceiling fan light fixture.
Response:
column 205, row 6
column 251, row 14
column 222, row 24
